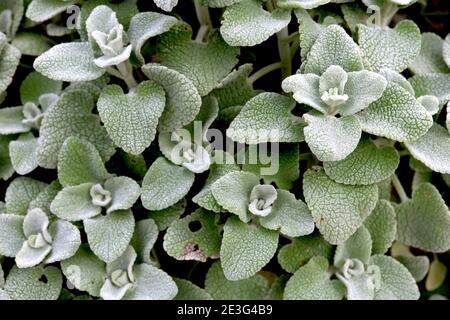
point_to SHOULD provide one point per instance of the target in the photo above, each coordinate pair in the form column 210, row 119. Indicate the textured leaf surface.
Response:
column 9, row 60
column 246, row 23
column 183, row 100
column 42, row 10
column 418, row 266
column 165, row 184
column 395, row 49
column 166, row 5
column 131, row 119
column 245, row 249
column 312, row 282
column 204, row 64
column 23, row 153
column 11, row 121
column 424, row 221
column 20, row 192
column 220, row 288
column 267, row 117
column 189, row 291
column 367, row 164
column 434, row 84
column 396, row 281
column 338, row 210
column 30, row 43
column 11, row 234
column 144, row 238
column 358, row 246
column 382, row 226
column 397, row 115
column 430, row 59
column 164, row 218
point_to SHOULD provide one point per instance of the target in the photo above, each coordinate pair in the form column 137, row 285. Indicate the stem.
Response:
column 403, row 153
column 293, row 36
column 285, row 53
column 399, row 188
column 304, row 156
column 126, row 71
column 294, row 47
column 204, row 19
column 154, row 255
column 263, row 71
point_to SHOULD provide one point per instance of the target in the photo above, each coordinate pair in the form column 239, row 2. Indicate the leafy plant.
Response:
column 134, row 146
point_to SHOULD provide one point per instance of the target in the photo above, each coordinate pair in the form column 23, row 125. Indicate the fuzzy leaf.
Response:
column 267, row 117
column 367, row 164
column 42, row 10
column 124, row 192
column 20, row 192
column 72, row 61
column 194, row 237
column 289, row 215
column 434, row 84
column 382, row 226
column 189, row 291
column 183, row 100
column 338, row 210
column 23, row 153
column 11, row 121
column 358, row 246
column 397, row 115
column 146, row 25
column 165, row 184
column 66, row 240
column 396, row 281
column 131, row 119
column 208, row 63
column 430, row 59
column 246, row 23
column 424, row 221
column 9, row 60
column 145, row 235
column 312, row 282
column 164, row 218
column 395, row 49
column 304, row 4
column 232, row 192
column 26, row 284
column 11, row 234
column 433, row 149
column 334, row 47
column 30, row 43
column 220, row 288
column 418, row 266
column 109, row 235
column 166, row 5
column 296, row 254
column 245, row 249
column 71, row 116
column 45, row 197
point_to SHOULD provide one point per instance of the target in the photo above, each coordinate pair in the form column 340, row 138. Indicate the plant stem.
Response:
column 263, row 71
column 399, row 188
column 285, row 53
column 204, row 19
column 304, row 156
column 126, row 72
column 403, row 153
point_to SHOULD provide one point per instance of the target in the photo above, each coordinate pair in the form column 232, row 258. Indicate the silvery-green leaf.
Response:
column 396, row 281
column 20, row 192
column 144, row 237
column 9, row 60
column 23, row 153
column 146, row 25
column 37, row 283
column 384, row 47
column 312, row 282
column 71, row 116
column 397, row 78
column 73, row 61
column 397, row 115
column 418, row 266
column 208, row 63
column 74, row 203
column 42, row 10
column 11, row 234
column 309, row 31
column 102, row 19
column 109, row 235
column 334, row 47
column 45, row 197
column 245, row 248
column 16, row 7
column 289, row 215
column 30, row 43
column 246, row 23
column 183, row 100
column 6, row 168
column 338, row 210
column 279, row 166
column 194, row 237
column 267, row 117
column 85, row 271
column 424, row 221
column 436, row 275
column 65, row 241
column 434, row 84
column 164, row 218
column 430, row 103
column 220, row 288
column 305, row 89
column 189, row 291
column 354, row 14
column 11, row 121
column 79, row 162
column 433, row 149
column 367, row 164
column 151, row 284
column 331, row 138
column 165, row 184
column 55, row 30
column 166, row 5
column 358, row 246
column 360, row 286
column 232, row 192
column 430, row 58
column 382, row 226
column 124, row 192
column 35, row 85
column 446, row 50
column 303, row 4
column 296, row 254
column 131, row 119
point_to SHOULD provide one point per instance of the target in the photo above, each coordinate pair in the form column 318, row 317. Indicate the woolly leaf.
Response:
column 144, row 238
column 42, row 10
column 11, row 234
column 189, row 291
column 164, row 218
column 20, row 192
column 9, row 60
column 433, row 84
column 382, row 226
column 166, row 5
column 430, row 59
column 23, row 153
column 358, row 246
